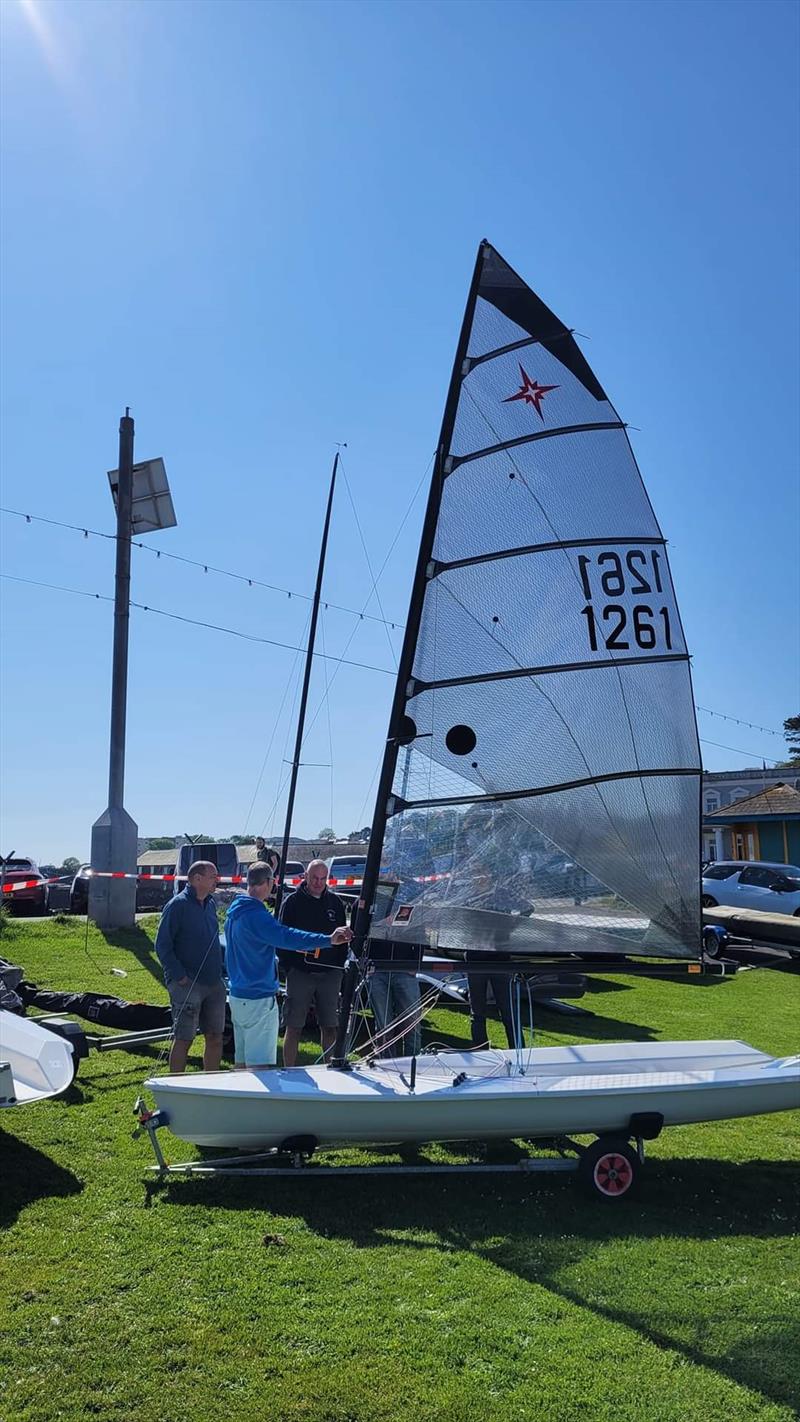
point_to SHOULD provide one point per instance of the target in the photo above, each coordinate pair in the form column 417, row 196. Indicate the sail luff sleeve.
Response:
column 548, row 795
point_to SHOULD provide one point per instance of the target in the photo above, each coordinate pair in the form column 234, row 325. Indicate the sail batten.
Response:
column 456, row 460
column 542, row 755
column 555, row 669
column 501, row 796
column 543, row 548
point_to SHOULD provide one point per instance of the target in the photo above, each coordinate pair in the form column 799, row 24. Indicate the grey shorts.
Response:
column 320, row 989
column 197, row 1009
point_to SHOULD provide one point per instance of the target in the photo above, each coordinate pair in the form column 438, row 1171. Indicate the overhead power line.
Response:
column 196, row 622
column 737, row 751
column 289, row 593
column 206, row 567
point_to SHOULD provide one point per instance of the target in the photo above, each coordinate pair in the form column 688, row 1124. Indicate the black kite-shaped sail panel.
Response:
column 544, row 790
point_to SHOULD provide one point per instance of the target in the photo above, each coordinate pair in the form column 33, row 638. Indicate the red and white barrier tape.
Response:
column 149, row 878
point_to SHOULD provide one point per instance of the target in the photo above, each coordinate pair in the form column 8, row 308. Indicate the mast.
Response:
column 395, row 737
column 301, row 719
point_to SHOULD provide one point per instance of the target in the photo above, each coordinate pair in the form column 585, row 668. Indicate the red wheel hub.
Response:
column 613, row 1174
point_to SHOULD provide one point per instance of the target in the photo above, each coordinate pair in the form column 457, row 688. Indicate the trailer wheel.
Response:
column 609, row 1168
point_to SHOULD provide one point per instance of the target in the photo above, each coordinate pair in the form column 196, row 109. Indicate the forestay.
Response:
column 541, row 790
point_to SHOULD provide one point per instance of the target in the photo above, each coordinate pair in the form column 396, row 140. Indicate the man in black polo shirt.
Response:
column 315, row 909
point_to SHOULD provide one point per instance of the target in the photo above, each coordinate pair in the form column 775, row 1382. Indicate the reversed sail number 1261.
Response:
column 639, row 575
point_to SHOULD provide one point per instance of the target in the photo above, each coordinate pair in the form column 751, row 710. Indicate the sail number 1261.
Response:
column 613, row 624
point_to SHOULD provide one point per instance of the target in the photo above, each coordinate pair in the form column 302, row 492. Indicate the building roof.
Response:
column 779, row 802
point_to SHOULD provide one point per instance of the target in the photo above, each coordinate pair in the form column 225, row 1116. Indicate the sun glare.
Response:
column 40, row 25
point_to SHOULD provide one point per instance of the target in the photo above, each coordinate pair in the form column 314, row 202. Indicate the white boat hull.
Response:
column 563, row 1091
column 34, row 1063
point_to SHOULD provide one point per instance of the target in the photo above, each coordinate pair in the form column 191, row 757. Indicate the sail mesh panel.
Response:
column 552, row 489
column 539, row 741
column 491, row 329
column 594, row 869
column 528, row 612
column 608, row 864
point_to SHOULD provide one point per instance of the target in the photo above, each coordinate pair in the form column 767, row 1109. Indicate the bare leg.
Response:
column 179, row 1051
column 291, row 1042
column 328, row 1035
column 212, row 1056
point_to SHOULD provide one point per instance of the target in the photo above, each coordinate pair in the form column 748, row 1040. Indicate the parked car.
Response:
column 32, row 899
column 221, row 852
column 57, row 897
column 70, row 894
column 293, row 872
column 342, row 867
column 751, row 884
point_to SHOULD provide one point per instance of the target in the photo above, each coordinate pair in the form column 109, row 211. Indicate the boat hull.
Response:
column 563, row 1091
column 36, row 1063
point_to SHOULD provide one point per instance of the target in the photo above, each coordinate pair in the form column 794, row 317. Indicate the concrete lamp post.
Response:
column 144, row 504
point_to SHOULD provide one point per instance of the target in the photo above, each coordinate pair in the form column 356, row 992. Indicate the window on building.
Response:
column 712, row 802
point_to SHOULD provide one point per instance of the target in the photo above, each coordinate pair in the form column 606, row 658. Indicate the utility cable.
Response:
column 197, row 563
column 196, row 622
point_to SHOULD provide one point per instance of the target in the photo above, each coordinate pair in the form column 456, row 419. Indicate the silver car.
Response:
column 743, row 884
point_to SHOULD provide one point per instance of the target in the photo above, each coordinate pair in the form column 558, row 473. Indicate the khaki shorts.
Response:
column 200, row 1008
column 320, row 989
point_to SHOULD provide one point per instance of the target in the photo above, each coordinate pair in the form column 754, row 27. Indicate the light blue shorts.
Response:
column 255, row 1030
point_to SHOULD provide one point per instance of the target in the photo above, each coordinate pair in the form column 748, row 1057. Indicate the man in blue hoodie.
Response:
column 252, row 935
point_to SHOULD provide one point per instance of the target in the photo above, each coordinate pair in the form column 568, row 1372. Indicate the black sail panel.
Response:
column 541, row 786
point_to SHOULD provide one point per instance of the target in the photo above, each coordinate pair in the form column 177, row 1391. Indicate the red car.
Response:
column 31, row 899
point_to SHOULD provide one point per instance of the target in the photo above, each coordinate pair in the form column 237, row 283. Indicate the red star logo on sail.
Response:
column 531, row 392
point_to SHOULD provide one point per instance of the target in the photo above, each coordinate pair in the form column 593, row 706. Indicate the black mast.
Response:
column 395, row 738
column 301, row 719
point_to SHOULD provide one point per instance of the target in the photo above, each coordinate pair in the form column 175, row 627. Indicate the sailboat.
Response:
column 540, row 789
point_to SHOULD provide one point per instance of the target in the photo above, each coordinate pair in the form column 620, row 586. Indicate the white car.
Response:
column 736, row 883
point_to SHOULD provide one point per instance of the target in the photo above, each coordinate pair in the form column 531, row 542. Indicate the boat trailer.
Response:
column 608, row 1168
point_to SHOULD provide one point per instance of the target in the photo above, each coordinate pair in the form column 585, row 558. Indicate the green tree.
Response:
column 163, row 843
column 327, row 833
column 791, row 732
column 71, row 865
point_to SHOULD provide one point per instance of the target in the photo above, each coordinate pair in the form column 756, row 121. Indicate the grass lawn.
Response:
column 462, row 1299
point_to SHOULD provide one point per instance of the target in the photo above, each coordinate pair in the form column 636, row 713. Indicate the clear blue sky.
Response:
column 255, row 224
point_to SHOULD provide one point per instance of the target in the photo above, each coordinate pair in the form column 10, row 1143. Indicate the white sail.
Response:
column 543, row 765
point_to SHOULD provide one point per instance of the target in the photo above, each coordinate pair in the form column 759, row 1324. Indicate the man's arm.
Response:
column 280, row 935
column 168, row 926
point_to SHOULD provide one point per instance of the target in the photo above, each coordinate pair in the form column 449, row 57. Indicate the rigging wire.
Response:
column 328, row 710
column 341, row 660
column 392, row 653
column 199, row 563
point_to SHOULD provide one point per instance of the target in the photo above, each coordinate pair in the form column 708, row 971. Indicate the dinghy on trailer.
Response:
column 542, row 737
